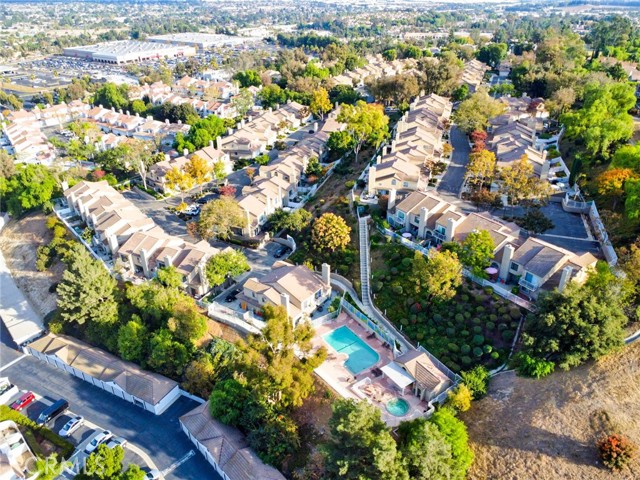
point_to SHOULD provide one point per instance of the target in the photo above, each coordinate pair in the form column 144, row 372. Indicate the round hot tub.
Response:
column 398, row 407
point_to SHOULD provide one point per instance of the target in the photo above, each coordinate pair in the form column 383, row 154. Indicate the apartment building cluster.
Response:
column 23, row 134
column 473, row 74
column 157, row 176
column 514, row 133
column 376, row 67
column 279, row 183
column 134, row 241
column 405, row 164
column 17, row 461
column 190, row 90
column 531, row 263
column 117, row 123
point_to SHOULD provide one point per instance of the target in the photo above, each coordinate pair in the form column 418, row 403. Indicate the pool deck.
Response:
column 365, row 385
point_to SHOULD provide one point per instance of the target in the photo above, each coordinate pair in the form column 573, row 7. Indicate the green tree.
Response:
column 603, row 120
column 425, row 452
column 294, row 221
column 219, row 217
column 477, row 381
column 444, row 275
column 200, row 376
column 441, row 76
column 320, row 103
column 460, row 398
column 390, row 54
column 272, row 95
column 227, row 401
column 227, row 264
column 455, row 432
column 313, row 167
column 627, row 156
column 492, row 54
column 475, row 112
column 87, row 291
column 138, row 106
column 50, row 468
column 169, row 277
column 366, row 123
column 132, row 340
column 133, row 472
column 460, row 93
column 632, row 201
column 248, row 78
column 167, row 356
column 31, row 186
column 340, row 142
column 611, row 31
column 344, row 94
column 481, row 167
column 242, row 102
column 361, row 446
column 186, row 323
column 477, row 252
column 578, row 324
column 279, row 362
column 330, row 233
column 104, row 464
column 111, row 95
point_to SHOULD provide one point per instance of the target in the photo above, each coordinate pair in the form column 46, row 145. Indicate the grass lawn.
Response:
column 475, row 327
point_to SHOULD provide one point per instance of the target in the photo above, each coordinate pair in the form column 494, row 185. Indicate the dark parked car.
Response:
column 281, row 252
column 52, row 411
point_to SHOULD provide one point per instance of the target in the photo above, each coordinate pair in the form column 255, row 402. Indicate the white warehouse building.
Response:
column 128, row 51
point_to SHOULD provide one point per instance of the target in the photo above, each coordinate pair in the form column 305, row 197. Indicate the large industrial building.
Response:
column 128, row 51
column 202, row 41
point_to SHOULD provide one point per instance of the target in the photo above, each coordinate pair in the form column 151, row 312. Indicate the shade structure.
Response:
column 397, row 375
column 491, row 270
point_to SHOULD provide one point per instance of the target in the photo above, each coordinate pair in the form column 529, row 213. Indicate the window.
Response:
column 393, row 182
column 405, row 184
column 160, row 264
column 440, row 229
column 514, row 266
column 400, row 215
column 529, row 277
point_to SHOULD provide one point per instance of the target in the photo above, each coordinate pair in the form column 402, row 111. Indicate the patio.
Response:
column 370, row 384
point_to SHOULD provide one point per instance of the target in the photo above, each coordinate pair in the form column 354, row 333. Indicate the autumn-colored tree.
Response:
column 251, row 172
column 219, row 170
column 330, row 233
column 616, row 451
column 447, row 149
column 481, row 167
column 176, row 179
column 610, row 183
column 320, row 103
column 365, row 123
column 199, row 169
column 520, row 183
column 228, row 190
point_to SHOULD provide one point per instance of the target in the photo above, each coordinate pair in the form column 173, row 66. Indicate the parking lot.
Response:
column 158, row 437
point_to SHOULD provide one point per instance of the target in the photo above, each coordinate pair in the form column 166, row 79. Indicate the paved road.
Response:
column 159, row 436
column 453, row 178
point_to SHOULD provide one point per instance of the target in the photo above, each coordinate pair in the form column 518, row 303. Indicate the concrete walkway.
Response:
column 21, row 320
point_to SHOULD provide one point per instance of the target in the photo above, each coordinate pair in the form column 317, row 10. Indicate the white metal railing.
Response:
column 532, row 287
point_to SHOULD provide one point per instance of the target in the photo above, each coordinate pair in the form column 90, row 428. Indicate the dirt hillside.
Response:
column 546, row 429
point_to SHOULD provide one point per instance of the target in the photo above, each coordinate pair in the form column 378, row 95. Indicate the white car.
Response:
column 117, row 441
column 98, row 439
column 153, row 475
column 71, row 426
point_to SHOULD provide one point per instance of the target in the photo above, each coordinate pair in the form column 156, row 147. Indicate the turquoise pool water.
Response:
column 361, row 355
column 398, row 407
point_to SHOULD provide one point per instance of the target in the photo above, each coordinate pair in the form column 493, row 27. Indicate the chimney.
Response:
column 372, row 180
column 565, row 278
column 100, row 106
column 242, row 123
column 120, row 112
column 315, row 127
column 422, row 222
column 219, row 143
column 179, row 122
column 507, row 255
column 284, row 301
column 451, row 230
column 392, row 199
column 128, row 113
column 167, row 157
column 166, row 121
column 145, row 262
column 149, row 117
column 378, row 159
column 211, row 143
column 230, row 131
column 138, row 114
column 113, row 109
column 326, row 274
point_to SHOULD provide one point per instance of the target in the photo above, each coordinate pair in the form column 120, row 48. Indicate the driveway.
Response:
column 157, row 210
column 160, row 437
column 453, row 178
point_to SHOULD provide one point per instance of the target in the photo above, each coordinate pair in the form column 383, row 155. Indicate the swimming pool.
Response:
column 361, row 355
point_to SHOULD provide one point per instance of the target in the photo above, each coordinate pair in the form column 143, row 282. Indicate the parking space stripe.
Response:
column 12, row 362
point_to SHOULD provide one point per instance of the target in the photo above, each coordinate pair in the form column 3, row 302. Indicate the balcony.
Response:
column 532, row 287
column 440, row 235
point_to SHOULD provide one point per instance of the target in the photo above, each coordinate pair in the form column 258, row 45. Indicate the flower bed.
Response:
column 475, row 327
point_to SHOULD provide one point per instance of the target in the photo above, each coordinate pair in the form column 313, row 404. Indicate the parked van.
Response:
column 52, row 411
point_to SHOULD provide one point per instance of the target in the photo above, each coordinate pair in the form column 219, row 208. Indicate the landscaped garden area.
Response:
column 475, row 327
